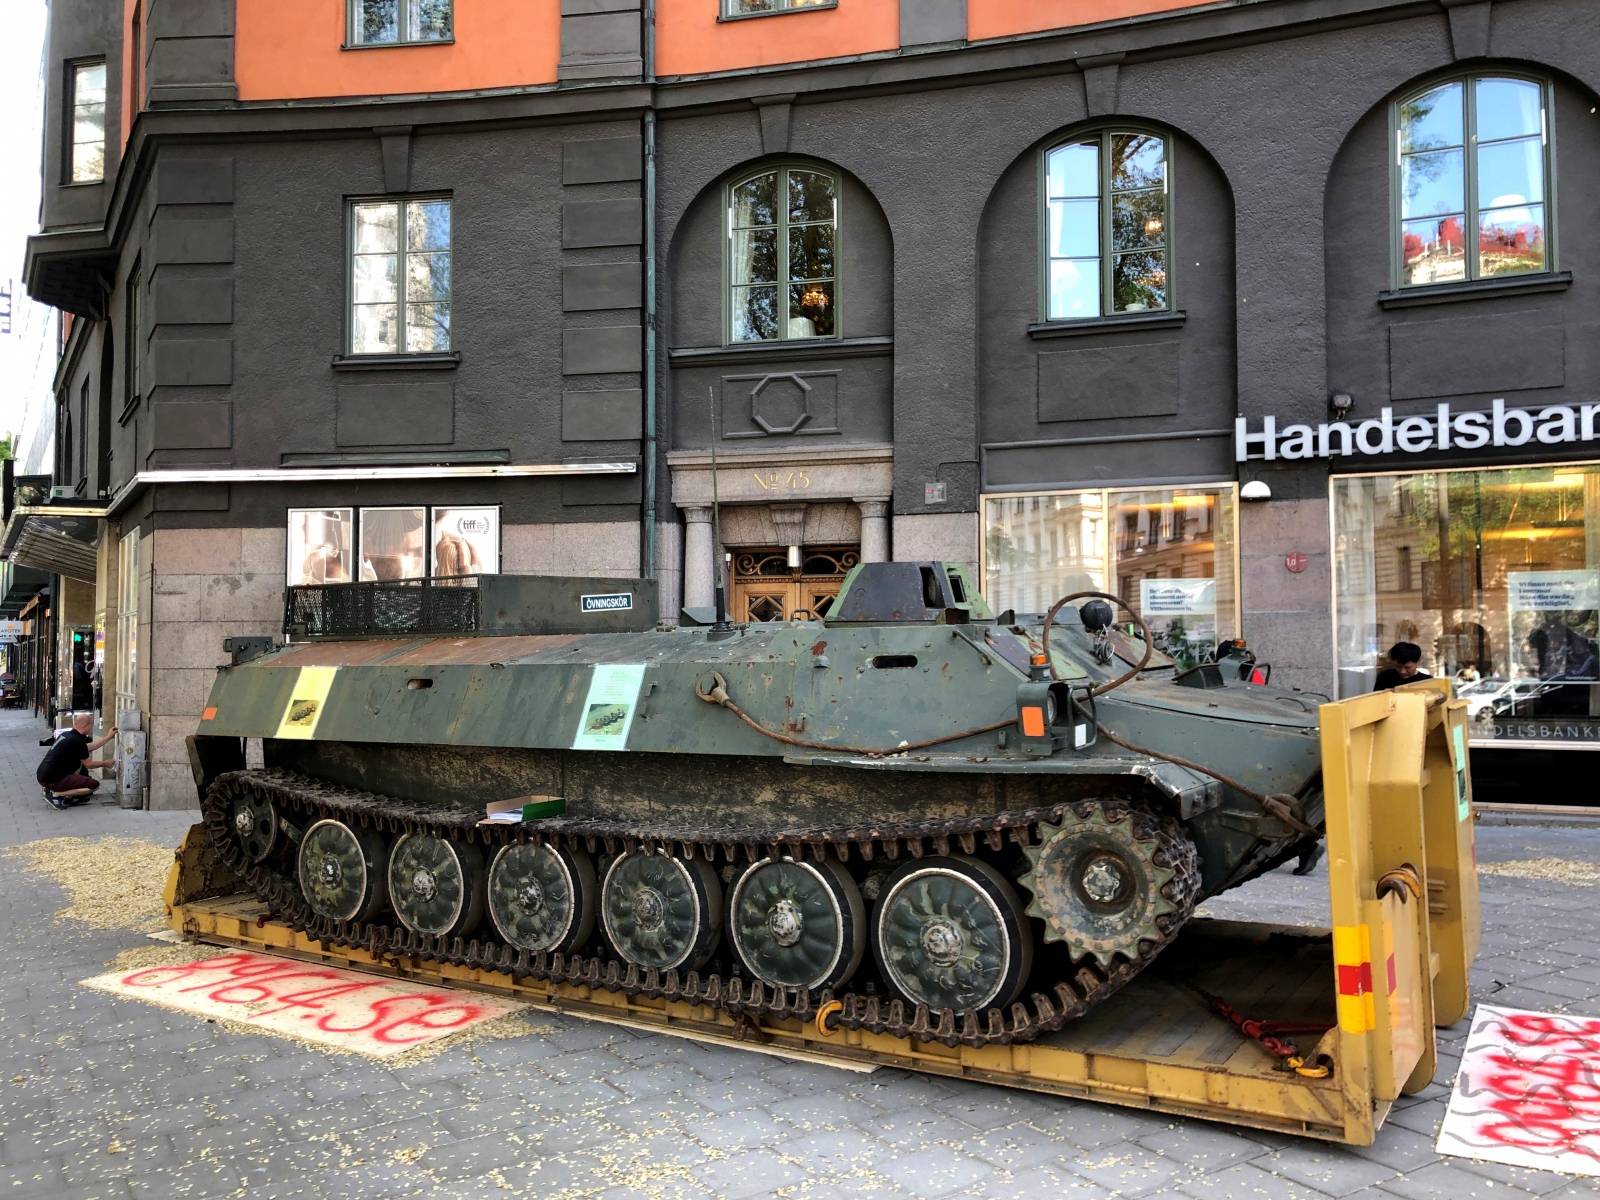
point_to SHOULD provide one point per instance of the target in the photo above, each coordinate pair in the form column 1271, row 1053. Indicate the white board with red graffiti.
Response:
column 1528, row 1092
column 345, row 1010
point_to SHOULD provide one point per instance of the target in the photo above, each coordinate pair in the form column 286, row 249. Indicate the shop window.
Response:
column 783, row 227
column 1169, row 552
column 400, row 261
column 761, row 8
column 1107, row 222
column 86, row 149
column 390, row 544
column 1510, row 588
column 1473, row 182
column 127, row 649
column 397, row 22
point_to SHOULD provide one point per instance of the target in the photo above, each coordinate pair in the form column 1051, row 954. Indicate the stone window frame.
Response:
column 1473, row 278
column 401, row 353
column 403, row 11
column 728, row 10
column 70, row 143
column 782, row 167
column 1101, row 134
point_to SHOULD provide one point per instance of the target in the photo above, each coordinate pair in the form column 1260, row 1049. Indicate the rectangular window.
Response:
column 1473, row 181
column 1510, row 590
column 466, row 541
column 756, row 8
column 459, row 541
column 1168, row 552
column 133, row 343
column 86, row 149
column 127, row 649
column 400, row 276
column 321, row 545
column 393, row 544
column 398, row 22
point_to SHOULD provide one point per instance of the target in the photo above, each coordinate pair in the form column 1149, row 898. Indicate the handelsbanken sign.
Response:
column 1441, row 429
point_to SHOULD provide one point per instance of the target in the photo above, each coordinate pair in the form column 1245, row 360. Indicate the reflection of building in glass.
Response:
column 1041, row 547
column 1478, row 569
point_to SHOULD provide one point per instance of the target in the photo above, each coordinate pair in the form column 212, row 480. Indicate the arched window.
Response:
column 783, row 227
column 1107, row 223
column 1472, row 154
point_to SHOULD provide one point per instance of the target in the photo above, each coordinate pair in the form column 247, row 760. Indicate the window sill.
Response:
column 780, row 351
column 449, row 41
column 128, row 409
column 1065, row 329
column 447, row 360
column 1450, row 293
column 82, row 183
column 777, row 12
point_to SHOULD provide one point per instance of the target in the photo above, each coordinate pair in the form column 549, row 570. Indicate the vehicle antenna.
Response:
column 718, row 586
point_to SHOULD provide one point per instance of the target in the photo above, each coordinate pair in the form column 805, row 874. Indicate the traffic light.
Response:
column 77, row 638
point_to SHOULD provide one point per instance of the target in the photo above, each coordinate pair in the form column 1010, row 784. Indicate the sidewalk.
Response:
column 111, row 1098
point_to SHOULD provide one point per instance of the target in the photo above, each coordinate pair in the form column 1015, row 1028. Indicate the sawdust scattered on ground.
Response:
column 170, row 954
column 1557, row 870
column 111, row 883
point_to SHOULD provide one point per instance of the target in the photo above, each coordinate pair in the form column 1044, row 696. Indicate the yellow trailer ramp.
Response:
column 1349, row 1011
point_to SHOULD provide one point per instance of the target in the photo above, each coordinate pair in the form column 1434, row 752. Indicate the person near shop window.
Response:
column 1467, row 674
column 1405, row 658
column 62, row 770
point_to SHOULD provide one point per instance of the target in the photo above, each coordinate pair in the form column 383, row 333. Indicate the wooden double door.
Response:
column 766, row 588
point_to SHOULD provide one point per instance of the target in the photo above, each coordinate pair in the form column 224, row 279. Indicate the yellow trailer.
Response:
column 1308, row 1031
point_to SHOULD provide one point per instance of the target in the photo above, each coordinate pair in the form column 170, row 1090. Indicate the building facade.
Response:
column 378, row 289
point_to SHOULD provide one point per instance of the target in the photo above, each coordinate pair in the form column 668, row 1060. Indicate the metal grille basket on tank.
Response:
column 419, row 606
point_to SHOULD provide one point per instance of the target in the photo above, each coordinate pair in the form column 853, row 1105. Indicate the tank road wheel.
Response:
column 341, row 871
column 662, row 912
column 542, row 898
column 797, row 924
column 950, row 933
column 1109, row 876
column 436, row 886
column 255, row 825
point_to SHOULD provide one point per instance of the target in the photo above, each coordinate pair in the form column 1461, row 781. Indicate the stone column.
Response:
column 874, row 530
column 699, row 559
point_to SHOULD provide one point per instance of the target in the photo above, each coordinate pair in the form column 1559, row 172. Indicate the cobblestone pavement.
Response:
column 111, row 1098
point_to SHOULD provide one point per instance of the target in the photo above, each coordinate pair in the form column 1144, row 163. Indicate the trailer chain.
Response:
column 1028, row 1018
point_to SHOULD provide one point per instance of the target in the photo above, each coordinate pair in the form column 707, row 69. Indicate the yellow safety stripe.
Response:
column 307, row 700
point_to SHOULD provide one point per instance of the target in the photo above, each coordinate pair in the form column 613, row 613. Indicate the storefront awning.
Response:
column 18, row 585
column 58, row 538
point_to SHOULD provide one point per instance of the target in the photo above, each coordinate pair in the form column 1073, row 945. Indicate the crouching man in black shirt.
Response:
column 62, row 771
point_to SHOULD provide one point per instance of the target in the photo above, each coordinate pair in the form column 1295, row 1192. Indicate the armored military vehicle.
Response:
column 912, row 815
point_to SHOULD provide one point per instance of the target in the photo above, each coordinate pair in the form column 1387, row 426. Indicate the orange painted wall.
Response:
column 1002, row 18
column 289, row 49
column 691, row 41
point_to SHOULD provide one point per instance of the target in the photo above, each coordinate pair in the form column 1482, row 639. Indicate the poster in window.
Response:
column 392, row 543
column 1553, row 626
column 320, row 545
column 1182, row 615
column 466, row 541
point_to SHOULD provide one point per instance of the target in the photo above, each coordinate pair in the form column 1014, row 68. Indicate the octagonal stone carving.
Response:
column 780, row 403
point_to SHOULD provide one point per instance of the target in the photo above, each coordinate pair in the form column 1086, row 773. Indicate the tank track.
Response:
column 301, row 799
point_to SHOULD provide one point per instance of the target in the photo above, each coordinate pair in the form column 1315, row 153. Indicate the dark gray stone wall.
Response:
column 1079, row 391
column 809, row 390
column 188, row 51
column 78, row 30
column 1532, row 349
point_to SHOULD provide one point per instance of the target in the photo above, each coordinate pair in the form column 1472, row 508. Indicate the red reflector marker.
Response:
column 209, row 714
column 1257, row 675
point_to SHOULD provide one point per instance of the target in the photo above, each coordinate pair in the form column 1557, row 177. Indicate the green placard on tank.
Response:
column 608, row 708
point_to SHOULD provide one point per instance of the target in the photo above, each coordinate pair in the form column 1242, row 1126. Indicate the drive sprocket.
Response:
column 1109, row 876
